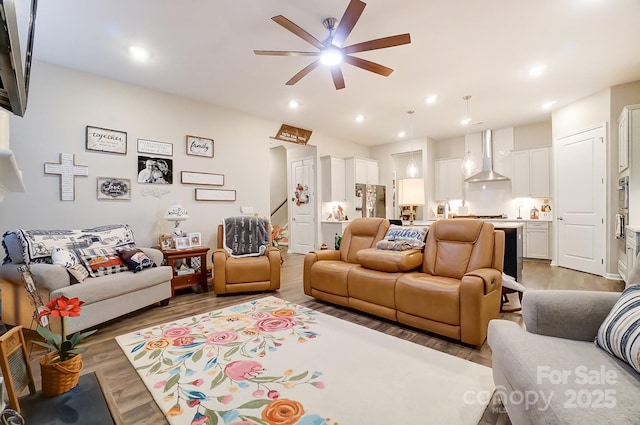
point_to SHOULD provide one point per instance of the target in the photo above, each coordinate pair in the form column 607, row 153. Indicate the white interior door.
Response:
column 303, row 209
column 581, row 197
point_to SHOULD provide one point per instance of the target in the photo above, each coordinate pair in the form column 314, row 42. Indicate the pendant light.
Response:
column 412, row 168
column 468, row 163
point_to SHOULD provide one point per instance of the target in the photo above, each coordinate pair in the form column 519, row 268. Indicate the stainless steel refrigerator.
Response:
column 370, row 200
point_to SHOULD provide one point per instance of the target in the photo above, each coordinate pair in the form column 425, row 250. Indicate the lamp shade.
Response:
column 176, row 212
column 411, row 192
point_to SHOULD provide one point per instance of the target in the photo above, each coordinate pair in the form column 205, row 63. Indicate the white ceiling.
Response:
column 203, row 49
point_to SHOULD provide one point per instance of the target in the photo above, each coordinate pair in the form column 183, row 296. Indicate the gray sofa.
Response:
column 105, row 297
column 553, row 373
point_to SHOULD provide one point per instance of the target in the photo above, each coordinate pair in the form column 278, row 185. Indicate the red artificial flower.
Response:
column 62, row 307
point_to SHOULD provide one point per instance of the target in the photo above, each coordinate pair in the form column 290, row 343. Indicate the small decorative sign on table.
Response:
column 288, row 133
column 105, row 140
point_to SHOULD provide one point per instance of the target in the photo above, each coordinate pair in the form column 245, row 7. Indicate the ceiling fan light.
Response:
column 331, row 56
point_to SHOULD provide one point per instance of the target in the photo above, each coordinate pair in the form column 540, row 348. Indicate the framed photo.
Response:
column 182, row 243
column 114, row 188
column 215, row 195
column 193, row 177
column 199, row 146
column 105, row 140
column 196, row 239
column 155, row 170
column 166, row 242
column 155, row 148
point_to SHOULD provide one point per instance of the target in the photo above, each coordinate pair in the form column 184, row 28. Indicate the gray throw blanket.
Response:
column 246, row 236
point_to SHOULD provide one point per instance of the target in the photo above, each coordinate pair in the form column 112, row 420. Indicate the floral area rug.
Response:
column 271, row 362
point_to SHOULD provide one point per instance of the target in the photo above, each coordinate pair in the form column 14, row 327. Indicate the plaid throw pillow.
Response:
column 102, row 261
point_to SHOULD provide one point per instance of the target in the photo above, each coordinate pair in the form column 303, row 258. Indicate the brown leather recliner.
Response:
column 458, row 289
column 246, row 274
column 328, row 269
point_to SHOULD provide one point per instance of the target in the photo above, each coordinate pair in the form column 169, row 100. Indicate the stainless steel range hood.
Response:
column 487, row 174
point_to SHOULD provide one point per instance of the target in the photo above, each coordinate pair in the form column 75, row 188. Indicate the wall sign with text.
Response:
column 199, row 146
column 288, row 133
column 105, row 140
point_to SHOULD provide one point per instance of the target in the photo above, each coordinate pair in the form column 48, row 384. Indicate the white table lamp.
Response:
column 176, row 213
column 411, row 193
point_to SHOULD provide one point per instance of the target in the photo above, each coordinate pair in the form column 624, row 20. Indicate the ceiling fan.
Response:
column 331, row 52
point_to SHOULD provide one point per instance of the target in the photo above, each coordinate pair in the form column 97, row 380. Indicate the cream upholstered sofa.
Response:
column 105, row 297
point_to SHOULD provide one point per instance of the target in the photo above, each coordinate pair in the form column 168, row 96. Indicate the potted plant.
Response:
column 60, row 368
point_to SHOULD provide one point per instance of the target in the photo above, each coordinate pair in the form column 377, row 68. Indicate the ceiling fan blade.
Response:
column 304, row 71
column 348, row 21
column 284, row 53
column 380, row 43
column 287, row 24
column 338, row 79
column 368, row 65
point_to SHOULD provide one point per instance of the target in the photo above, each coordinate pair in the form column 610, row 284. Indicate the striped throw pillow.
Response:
column 619, row 334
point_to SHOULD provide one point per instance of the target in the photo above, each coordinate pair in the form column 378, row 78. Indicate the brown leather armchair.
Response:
column 458, row 289
column 246, row 274
column 328, row 269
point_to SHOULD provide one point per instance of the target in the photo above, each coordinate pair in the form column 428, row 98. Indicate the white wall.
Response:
column 532, row 136
column 63, row 101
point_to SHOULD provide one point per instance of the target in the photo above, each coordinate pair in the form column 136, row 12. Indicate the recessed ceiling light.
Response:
column 402, row 133
column 465, row 121
column 293, row 104
column 359, row 118
column 431, row 99
column 548, row 105
column 537, row 70
column 138, row 53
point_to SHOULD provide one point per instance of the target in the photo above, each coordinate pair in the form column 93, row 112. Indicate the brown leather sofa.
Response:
column 325, row 272
column 246, row 274
column 453, row 288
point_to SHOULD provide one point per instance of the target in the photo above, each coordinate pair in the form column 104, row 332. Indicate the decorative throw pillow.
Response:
column 136, row 259
column 102, row 261
column 63, row 257
column 78, row 272
column 69, row 260
column 414, row 235
column 619, row 334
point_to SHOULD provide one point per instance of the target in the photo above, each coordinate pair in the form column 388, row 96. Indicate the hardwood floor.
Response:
column 134, row 405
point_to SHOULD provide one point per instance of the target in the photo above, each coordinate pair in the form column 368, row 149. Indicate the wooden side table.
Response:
column 199, row 277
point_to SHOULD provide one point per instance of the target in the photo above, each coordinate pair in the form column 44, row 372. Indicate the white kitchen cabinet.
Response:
column 364, row 170
column 623, row 140
column 632, row 135
column 530, row 178
column 333, row 179
column 632, row 239
column 537, row 239
column 448, row 179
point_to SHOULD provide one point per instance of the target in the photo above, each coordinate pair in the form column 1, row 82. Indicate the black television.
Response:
column 14, row 73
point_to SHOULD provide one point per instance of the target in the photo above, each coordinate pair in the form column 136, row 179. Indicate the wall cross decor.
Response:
column 67, row 170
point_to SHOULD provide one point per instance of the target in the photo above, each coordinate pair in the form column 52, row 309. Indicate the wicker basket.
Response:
column 59, row 377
